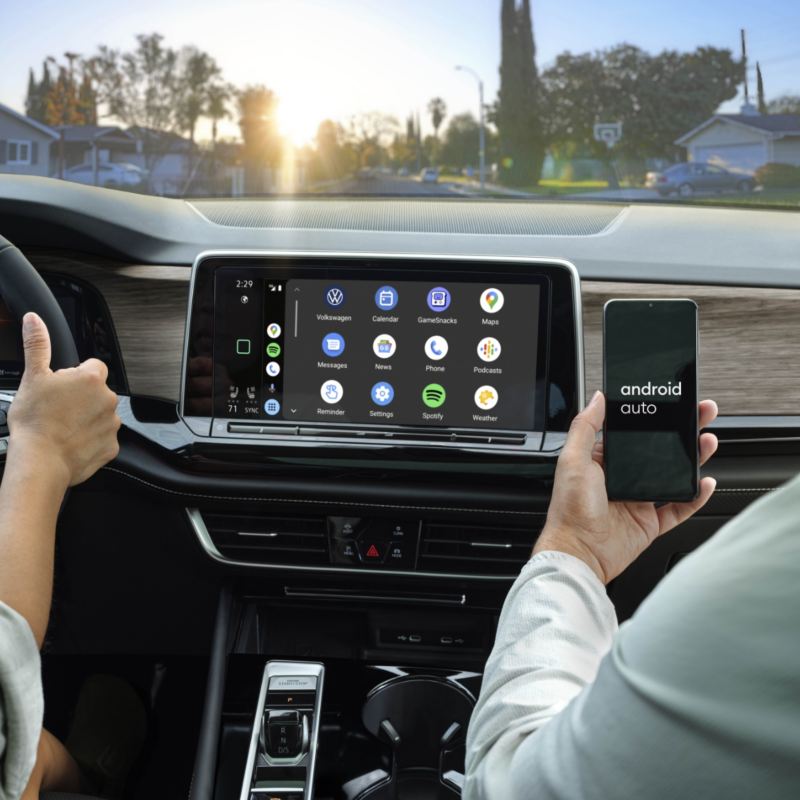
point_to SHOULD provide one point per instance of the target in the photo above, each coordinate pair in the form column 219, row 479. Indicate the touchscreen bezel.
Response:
column 560, row 291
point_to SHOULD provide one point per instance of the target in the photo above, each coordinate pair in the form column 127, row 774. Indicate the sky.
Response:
column 336, row 58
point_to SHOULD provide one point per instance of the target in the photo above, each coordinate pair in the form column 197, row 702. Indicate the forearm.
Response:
column 556, row 626
column 31, row 493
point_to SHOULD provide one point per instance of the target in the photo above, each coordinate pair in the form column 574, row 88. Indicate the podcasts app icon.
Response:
column 492, row 300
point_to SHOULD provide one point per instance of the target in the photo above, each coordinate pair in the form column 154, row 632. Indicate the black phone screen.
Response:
column 650, row 377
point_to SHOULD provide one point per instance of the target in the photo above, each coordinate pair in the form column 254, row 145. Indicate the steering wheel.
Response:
column 23, row 290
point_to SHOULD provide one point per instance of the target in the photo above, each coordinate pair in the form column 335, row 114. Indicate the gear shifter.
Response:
column 283, row 745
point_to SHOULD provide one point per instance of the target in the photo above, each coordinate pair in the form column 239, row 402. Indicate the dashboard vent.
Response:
column 476, row 550
column 497, row 218
column 295, row 541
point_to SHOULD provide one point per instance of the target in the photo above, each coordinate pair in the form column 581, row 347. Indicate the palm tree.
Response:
column 218, row 97
column 437, row 108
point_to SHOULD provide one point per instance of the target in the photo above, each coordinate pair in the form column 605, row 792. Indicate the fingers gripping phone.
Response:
column 651, row 432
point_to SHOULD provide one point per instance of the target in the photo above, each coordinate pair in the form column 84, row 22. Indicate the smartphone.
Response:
column 650, row 442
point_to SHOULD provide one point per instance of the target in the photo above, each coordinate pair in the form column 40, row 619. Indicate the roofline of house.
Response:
column 39, row 126
column 682, row 140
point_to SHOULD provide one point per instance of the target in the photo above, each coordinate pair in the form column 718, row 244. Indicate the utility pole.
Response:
column 482, row 130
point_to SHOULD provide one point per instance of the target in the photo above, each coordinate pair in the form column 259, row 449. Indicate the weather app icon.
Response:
column 492, row 301
column 334, row 296
column 386, row 298
column 438, row 299
column 382, row 393
column 486, row 397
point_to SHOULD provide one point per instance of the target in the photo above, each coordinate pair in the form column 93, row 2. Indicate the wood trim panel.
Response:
column 749, row 342
column 749, row 338
column 148, row 307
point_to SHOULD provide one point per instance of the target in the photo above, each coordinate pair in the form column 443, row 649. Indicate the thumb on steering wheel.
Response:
column 36, row 343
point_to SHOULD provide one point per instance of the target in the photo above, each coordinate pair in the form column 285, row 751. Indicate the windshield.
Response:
column 575, row 100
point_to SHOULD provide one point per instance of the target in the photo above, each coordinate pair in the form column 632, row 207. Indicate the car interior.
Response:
column 305, row 599
column 348, row 344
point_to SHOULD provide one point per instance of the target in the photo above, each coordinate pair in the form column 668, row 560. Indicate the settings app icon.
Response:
column 382, row 393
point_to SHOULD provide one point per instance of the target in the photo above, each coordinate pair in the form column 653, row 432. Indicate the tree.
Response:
column 332, row 157
column 218, row 97
column 262, row 146
column 461, row 141
column 786, row 104
column 197, row 73
column 437, row 108
column 370, row 134
column 140, row 88
column 34, row 107
column 656, row 97
column 762, row 103
column 519, row 101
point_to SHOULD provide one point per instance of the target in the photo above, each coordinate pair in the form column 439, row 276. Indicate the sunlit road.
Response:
column 390, row 185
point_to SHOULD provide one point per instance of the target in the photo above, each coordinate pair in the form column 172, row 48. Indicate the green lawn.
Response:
column 784, row 198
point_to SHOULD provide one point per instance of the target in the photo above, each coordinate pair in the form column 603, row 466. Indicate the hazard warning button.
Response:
column 372, row 551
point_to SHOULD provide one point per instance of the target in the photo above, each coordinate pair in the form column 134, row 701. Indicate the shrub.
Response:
column 778, row 176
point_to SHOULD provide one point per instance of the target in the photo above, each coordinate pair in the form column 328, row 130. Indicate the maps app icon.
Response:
column 492, row 300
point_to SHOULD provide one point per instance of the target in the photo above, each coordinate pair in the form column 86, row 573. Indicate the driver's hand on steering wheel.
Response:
column 581, row 521
column 65, row 420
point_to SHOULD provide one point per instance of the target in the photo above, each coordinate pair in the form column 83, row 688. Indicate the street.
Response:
column 392, row 185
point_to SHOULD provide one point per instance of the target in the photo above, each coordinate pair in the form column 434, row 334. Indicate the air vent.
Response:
column 476, row 550
column 296, row 541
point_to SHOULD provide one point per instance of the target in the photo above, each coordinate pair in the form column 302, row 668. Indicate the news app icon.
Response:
column 438, row 299
column 492, row 300
column 384, row 345
column 489, row 349
column 333, row 345
column 436, row 348
column 331, row 392
column 386, row 298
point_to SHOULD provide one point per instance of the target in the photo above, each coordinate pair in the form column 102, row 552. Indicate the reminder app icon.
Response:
column 492, row 300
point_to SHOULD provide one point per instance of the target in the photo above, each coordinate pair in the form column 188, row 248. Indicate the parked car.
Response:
column 686, row 179
column 429, row 175
column 110, row 175
column 366, row 174
column 403, row 172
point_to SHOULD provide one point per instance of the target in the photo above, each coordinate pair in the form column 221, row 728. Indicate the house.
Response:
column 25, row 144
column 170, row 160
column 90, row 144
column 744, row 142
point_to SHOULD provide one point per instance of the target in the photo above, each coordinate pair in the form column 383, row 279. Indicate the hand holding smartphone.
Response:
column 650, row 383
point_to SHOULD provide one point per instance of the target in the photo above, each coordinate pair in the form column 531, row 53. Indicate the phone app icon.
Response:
column 486, row 397
column 273, row 368
column 434, row 395
column 489, row 349
column 273, row 330
column 334, row 296
column 386, row 298
column 436, row 348
column 272, row 407
column 333, row 345
column 384, row 345
column 438, row 299
column 382, row 393
column 331, row 392
column 492, row 300
column 273, row 349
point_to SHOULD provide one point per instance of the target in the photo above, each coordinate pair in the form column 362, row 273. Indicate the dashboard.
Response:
column 386, row 492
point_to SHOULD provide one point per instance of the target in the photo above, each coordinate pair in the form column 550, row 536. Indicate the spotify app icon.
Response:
column 434, row 395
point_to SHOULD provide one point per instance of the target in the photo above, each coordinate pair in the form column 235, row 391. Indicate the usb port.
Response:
column 415, row 638
column 446, row 640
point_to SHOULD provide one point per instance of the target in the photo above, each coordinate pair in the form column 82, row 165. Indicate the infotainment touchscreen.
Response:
column 463, row 351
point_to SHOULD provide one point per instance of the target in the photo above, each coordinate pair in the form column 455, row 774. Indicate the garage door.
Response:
column 746, row 157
